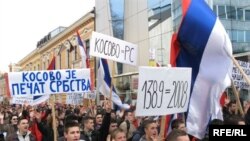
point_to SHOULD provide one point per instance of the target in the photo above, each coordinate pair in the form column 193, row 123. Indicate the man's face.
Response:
column 112, row 127
column 120, row 137
column 14, row 120
column 23, row 126
column 130, row 116
column 151, row 130
column 98, row 119
column 89, row 125
column 113, row 115
column 73, row 134
column 183, row 138
column 232, row 108
column 182, row 127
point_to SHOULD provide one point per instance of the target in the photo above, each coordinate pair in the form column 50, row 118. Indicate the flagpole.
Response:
column 112, row 82
column 236, row 94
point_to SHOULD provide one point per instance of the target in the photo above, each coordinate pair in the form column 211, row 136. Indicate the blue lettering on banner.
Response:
column 67, row 86
column 35, row 83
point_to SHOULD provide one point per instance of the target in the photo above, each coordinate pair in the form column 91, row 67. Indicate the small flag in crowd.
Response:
column 203, row 45
column 104, row 85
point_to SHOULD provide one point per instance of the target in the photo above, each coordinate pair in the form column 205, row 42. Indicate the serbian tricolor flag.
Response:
column 82, row 48
column 203, row 44
column 104, row 84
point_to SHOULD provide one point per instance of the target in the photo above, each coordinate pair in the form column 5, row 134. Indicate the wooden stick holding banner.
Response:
column 236, row 94
column 54, row 117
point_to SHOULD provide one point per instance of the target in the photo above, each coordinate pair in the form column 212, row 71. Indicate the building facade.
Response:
column 146, row 23
column 59, row 46
column 150, row 24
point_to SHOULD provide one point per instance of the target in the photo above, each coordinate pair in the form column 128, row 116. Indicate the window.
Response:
column 248, row 36
column 240, row 14
column 229, row 34
column 234, row 36
column 240, row 36
column 247, row 15
column 221, row 12
column 231, row 12
column 87, row 48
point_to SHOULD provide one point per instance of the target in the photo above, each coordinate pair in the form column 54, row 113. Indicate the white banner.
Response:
column 22, row 100
column 34, row 83
column 163, row 91
column 238, row 79
column 74, row 98
column 29, row 100
column 108, row 47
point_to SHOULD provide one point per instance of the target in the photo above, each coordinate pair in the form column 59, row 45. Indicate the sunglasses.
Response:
column 14, row 119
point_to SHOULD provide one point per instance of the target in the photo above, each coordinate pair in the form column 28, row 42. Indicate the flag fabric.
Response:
column 205, row 46
column 104, row 84
column 61, row 49
column 52, row 65
column 6, row 77
column 71, row 46
column 82, row 48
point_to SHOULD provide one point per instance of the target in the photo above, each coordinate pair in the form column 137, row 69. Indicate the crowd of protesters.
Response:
column 96, row 123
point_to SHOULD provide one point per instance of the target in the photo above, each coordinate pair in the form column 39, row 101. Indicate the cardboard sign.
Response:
column 112, row 48
column 74, row 98
column 163, row 91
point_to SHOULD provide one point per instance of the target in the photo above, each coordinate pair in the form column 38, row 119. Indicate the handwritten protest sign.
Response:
column 74, row 98
column 163, row 91
column 237, row 77
column 112, row 48
column 49, row 82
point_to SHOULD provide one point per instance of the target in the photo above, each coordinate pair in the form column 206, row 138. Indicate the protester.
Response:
column 23, row 134
column 118, row 135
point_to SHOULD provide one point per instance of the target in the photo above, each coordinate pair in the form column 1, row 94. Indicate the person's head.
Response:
column 88, row 123
column 22, row 125
column 118, row 135
column 13, row 119
column 150, row 128
column 112, row 114
column 216, row 122
column 178, row 124
column 232, row 106
column 113, row 125
column 177, row 135
column 235, row 120
column 72, row 131
column 98, row 119
column 129, row 115
column 71, row 117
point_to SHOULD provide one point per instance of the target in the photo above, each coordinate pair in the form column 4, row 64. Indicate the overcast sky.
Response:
column 24, row 22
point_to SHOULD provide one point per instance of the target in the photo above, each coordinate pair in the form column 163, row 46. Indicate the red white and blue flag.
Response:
column 82, row 48
column 203, row 45
column 104, row 84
